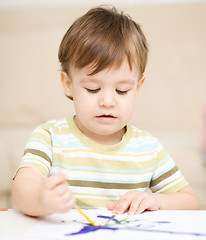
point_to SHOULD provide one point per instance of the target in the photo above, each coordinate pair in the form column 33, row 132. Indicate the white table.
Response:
column 155, row 225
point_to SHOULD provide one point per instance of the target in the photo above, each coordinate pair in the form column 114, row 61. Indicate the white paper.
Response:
column 148, row 225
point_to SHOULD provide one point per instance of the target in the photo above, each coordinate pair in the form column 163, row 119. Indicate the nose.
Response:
column 107, row 99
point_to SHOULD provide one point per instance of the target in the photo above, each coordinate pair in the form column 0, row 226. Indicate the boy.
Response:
column 96, row 158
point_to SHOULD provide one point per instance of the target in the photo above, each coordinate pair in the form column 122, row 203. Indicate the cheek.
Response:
column 129, row 101
column 82, row 104
column 127, row 107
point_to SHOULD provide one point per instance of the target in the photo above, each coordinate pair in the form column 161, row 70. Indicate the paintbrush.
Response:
column 83, row 214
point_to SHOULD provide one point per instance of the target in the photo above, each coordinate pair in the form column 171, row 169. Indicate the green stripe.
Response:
column 164, row 176
column 79, row 183
column 38, row 153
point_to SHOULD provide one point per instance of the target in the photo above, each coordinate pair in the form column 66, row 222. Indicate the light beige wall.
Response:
column 169, row 104
column 175, row 89
column 173, row 93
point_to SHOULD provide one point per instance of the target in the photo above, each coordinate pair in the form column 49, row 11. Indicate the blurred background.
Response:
column 170, row 104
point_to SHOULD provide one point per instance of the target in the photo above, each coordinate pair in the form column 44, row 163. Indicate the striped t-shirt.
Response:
column 98, row 174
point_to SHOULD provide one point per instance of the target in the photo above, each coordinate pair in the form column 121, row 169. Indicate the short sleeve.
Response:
column 167, row 177
column 38, row 151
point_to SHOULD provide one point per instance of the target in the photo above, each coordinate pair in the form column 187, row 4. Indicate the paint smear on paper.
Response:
column 87, row 229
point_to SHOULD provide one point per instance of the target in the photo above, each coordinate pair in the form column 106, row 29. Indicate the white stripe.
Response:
column 40, row 147
column 102, row 191
column 122, row 157
column 170, row 185
column 98, row 197
column 29, row 156
column 109, row 177
column 42, row 130
column 167, row 183
column 165, row 167
column 58, row 170
column 139, row 139
column 64, row 137
column 35, row 162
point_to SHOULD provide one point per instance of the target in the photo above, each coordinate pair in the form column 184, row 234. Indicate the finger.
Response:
column 122, row 205
column 65, row 197
column 71, row 203
column 67, row 205
column 55, row 180
column 135, row 205
column 62, row 203
column 61, row 189
column 111, row 205
column 144, row 204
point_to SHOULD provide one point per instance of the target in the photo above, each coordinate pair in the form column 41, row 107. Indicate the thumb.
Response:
column 54, row 180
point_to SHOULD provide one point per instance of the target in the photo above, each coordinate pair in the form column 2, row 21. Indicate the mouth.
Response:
column 105, row 116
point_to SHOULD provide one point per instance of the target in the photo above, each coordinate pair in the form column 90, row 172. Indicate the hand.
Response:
column 55, row 196
column 135, row 202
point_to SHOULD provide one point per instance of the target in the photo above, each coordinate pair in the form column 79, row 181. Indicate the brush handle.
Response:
column 83, row 214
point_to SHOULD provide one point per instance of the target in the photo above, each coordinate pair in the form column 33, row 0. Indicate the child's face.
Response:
column 104, row 102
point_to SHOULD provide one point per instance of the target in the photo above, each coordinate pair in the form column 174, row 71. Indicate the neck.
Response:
column 101, row 139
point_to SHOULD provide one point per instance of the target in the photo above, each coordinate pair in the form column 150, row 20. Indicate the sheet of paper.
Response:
column 149, row 225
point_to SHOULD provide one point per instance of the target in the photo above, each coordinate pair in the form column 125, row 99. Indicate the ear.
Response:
column 67, row 84
column 140, row 82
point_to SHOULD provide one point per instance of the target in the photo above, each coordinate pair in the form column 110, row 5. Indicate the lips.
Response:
column 105, row 116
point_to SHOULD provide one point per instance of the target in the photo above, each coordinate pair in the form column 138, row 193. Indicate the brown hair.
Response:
column 102, row 38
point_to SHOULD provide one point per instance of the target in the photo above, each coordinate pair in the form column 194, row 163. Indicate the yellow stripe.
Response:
column 107, row 154
column 42, row 136
column 162, row 154
column 103, row 172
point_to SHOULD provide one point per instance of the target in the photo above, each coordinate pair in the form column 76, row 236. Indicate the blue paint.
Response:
column 87, row 229
column 109, row 218
column 90, row 228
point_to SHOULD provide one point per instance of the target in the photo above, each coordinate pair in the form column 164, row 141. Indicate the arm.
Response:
column 37, row 195
column 185, row 199
column 137, row 202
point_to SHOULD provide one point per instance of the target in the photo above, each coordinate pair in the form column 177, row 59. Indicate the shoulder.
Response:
column 139, row 133
column 143, row 137
column 55, row 125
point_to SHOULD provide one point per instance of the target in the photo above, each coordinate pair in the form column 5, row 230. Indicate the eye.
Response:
column 93, row 90
column 120, row 92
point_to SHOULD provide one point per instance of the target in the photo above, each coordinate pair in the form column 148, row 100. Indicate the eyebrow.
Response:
column 95, row 80
column 85, row 80
column 127, row 81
